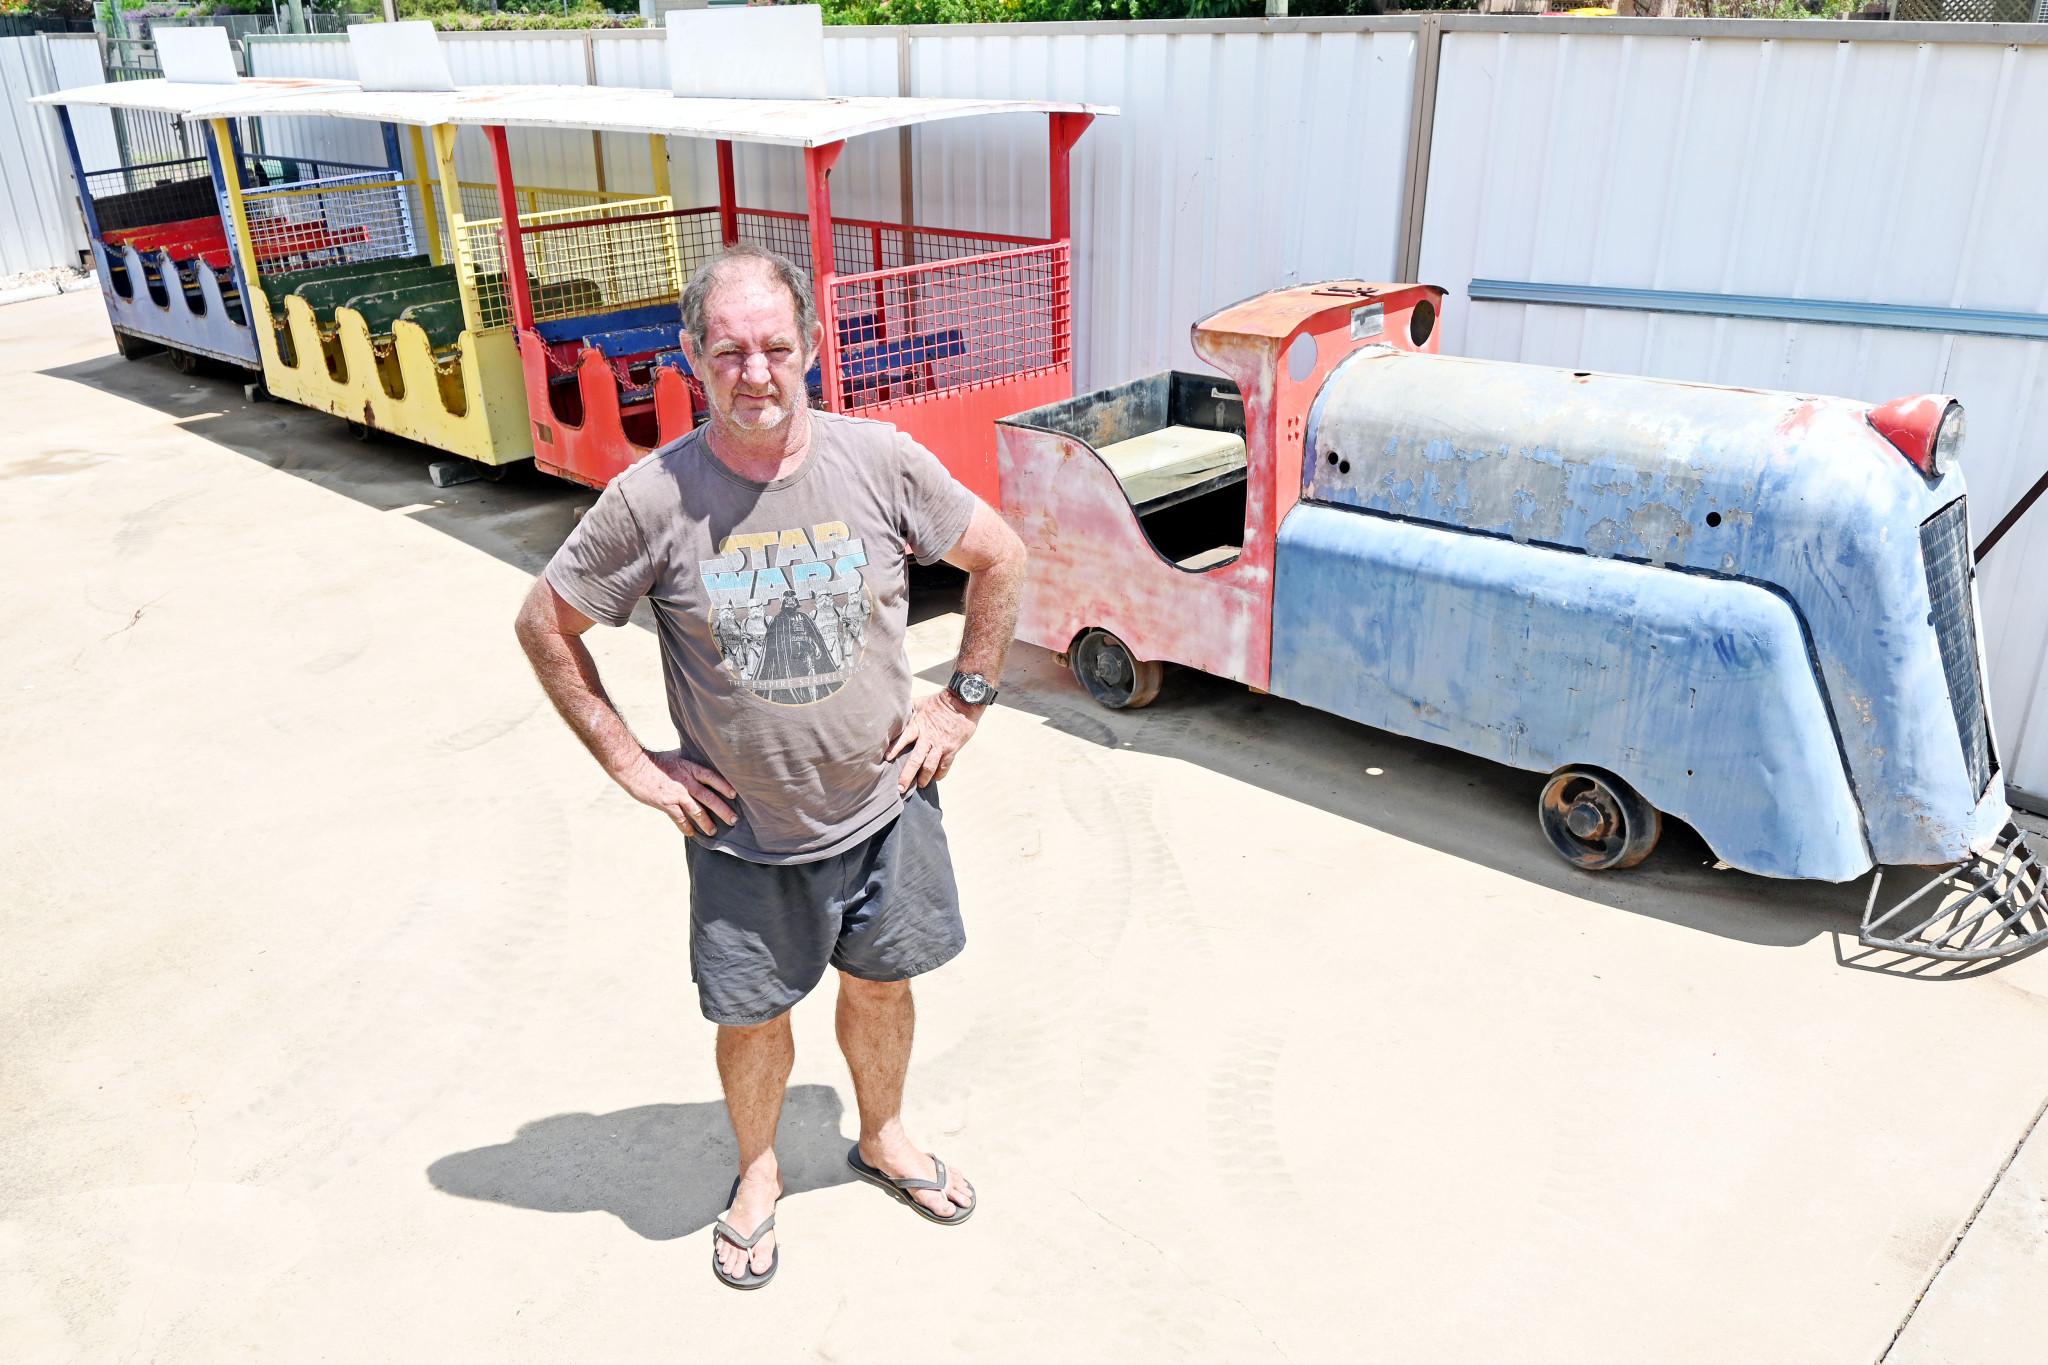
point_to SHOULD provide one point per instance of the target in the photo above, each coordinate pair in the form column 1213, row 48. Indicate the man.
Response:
column 806, row 785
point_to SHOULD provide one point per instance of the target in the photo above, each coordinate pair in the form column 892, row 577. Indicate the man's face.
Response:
column 754, row 355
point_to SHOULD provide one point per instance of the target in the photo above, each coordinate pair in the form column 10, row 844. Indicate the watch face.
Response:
column 973, row 689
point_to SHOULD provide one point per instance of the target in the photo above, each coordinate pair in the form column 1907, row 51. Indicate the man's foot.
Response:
column 901, row 1161
column 753, row 1203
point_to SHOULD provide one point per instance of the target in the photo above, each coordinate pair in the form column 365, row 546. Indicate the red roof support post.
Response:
column 1065, row 131
column 728, row 197
column 818, row 170
column 516, row 283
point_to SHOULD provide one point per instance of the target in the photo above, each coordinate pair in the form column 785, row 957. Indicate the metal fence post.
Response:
column 590, row 78
column 906, row 168
column 1429, row 46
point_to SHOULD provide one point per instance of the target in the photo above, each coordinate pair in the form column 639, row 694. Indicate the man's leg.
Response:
column 876, row 1021
column 753, row 1065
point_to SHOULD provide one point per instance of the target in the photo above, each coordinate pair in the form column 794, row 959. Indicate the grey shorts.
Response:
column 762, row 935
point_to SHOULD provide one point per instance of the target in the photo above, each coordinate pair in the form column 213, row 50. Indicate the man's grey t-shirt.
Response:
column 782, row 609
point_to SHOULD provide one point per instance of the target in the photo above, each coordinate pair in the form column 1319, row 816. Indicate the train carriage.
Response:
column 158, row 218
column 366, row 305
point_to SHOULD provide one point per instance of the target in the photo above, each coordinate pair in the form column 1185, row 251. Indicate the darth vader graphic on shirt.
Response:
column 789, row 610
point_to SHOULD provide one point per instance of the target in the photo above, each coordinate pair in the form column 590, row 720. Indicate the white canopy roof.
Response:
column 608, row 109
column 190, row 99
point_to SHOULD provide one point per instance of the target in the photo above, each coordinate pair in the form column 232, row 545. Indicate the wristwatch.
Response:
column 973, row 689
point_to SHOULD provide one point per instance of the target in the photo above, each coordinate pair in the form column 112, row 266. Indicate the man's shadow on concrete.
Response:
column 664, row 1170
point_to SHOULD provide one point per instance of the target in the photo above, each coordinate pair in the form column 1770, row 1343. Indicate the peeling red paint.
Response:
column 1103, row 571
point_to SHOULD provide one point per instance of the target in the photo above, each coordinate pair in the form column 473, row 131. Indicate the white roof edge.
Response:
column 188, row 99
column 611, row 109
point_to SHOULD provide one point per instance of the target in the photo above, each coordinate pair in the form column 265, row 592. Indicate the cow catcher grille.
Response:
column 1993, row 904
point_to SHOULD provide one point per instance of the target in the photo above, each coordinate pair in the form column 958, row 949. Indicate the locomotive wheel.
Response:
column 1104, row 667
column 184, row 362
column 1597, row 821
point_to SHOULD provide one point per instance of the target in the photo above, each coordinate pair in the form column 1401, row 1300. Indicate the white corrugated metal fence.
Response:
column 39, row 223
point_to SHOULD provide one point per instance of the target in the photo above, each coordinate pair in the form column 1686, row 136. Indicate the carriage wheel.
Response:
column 133, row 347
column 184, row 362
column 1104, row 667
column 1597, row 821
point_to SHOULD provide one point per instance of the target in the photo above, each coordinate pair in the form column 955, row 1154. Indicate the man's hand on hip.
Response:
column 940, row 726
column 686, row 792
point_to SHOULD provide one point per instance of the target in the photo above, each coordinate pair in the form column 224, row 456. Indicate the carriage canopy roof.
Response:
column 607, row 109
column 191, row 99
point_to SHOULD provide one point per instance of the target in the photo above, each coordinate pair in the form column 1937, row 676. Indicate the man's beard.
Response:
column 767, row 419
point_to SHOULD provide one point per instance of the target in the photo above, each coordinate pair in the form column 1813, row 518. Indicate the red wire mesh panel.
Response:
column 926, row 329
column 698, row 238
column 786, row 234
column 860, row 247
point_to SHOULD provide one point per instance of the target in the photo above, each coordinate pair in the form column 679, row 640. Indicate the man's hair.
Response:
column 712, row 274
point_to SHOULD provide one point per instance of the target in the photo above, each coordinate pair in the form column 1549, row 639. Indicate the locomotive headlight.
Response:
column 1948, row 442
column 1926, row 428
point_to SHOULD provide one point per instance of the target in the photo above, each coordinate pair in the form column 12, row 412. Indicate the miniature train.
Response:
column 1752, row 611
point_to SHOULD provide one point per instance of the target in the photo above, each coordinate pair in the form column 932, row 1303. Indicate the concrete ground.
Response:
column 347, row 1015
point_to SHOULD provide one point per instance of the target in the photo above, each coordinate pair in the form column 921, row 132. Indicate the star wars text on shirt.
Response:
column 789, row 610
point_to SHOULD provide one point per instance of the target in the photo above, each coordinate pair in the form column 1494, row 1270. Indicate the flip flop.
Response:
column 900, row 1189
column 721, row 1228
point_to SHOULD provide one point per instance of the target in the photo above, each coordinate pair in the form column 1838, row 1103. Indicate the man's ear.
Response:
column 817, row 341
column 690, row 352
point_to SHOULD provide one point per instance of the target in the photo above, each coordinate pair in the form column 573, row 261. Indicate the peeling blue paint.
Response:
column 1697, row 691
column 1792, row 492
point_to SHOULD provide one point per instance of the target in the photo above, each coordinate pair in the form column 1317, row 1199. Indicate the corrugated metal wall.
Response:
column 1241, row 161
column 1881, row 171
column 39, row 228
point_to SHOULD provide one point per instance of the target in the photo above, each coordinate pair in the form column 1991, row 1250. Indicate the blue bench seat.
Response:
column 881, row 363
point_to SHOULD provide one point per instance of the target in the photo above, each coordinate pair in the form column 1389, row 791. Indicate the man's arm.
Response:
column 551, row 633
column 941, row 724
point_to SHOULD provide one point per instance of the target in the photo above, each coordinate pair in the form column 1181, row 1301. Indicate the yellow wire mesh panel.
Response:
column 579, row 261
column 327, row 222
